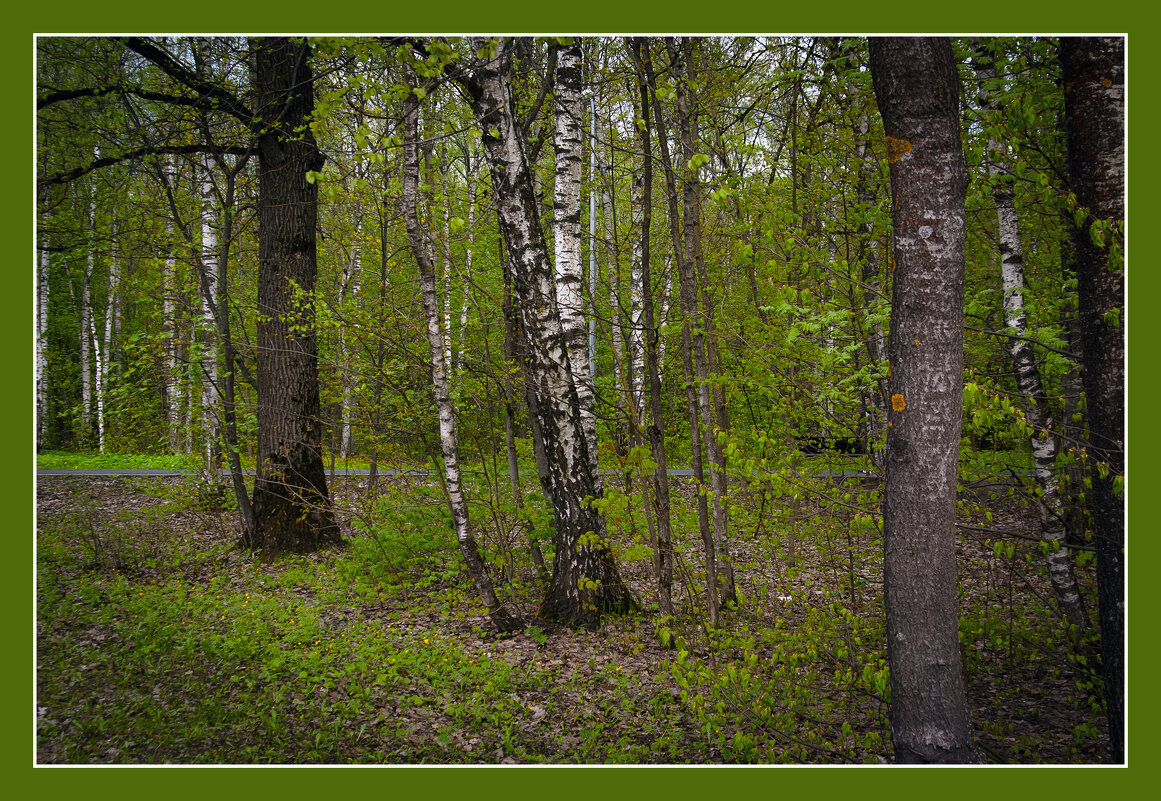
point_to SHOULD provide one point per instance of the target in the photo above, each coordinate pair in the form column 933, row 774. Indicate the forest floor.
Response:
column 159, row 640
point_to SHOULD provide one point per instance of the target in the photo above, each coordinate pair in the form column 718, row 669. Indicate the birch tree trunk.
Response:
column 448, row 437
column 292, row 509
column 229, row 397
column 917, row 88
column 585, row 580
column 111, row 311
column 515, row 372
column 567, row 237
column 86, row 332
column 1043, row 440
column 169, row 320
column 207, row 331
column 42, row 303
column 1094, row 103
column 350, row 284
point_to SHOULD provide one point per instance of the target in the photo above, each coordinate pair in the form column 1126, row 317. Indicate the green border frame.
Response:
column 590, row 17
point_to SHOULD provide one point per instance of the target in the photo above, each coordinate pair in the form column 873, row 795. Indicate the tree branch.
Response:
column 209, row 91
column 65, row 176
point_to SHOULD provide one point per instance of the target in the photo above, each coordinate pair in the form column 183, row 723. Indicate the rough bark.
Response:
column 918, row 93
column 516, row 373
column 1094, row 98
column 207, row 330
column 448, row 436
column 585, row 580
column 566, row 231
column 1043, row 438
column 292, row 510
column 42, row 303
column 112, row 310
column 85, row 339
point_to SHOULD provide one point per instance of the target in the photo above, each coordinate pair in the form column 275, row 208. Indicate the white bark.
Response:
column 464, row 301
column 169, row 321
column 448, row 436
column 585, row 579
column 350, row 285
column 1042, row 440
column 613, row 275
column 105, row 360
column 636, row 322
column 208, row 333
column 42, row 300
column 86, row 332
column 566, row 236
column 445, row 260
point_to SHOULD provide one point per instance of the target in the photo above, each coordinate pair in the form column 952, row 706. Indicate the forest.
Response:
column 580, row 400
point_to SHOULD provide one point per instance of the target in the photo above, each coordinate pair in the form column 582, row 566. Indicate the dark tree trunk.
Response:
column 918, row 94
column 692, row 273
column 585, row 580
column 688, row 301
column 292, row 510
column 652, row 365
column 1094, row 96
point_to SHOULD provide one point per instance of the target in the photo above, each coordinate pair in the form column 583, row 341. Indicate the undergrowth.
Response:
column 159, row 640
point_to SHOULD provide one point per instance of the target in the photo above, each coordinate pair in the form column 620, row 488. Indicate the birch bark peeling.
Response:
column 1043, row 441
column 585, row 580
column 567, row 237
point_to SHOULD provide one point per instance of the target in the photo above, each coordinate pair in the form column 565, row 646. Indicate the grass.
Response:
column 160, row 641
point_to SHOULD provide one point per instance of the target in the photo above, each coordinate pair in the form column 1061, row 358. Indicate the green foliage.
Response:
column 750, row 693
column 88, row 460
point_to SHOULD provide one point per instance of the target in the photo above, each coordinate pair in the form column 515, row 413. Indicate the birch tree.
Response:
column 566, row 236
column 660, row 494
column 448, row 437
column 1024, row 362
column 917, row 89
column 585, row 579
column 208, row 270
column 43, row 299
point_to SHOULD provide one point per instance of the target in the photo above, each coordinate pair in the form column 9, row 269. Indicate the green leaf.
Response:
column 697, row 160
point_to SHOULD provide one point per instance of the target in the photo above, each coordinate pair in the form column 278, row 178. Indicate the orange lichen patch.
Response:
column 897, row 149
column 1106, row 83
column 915, row 341
column 898, row 403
